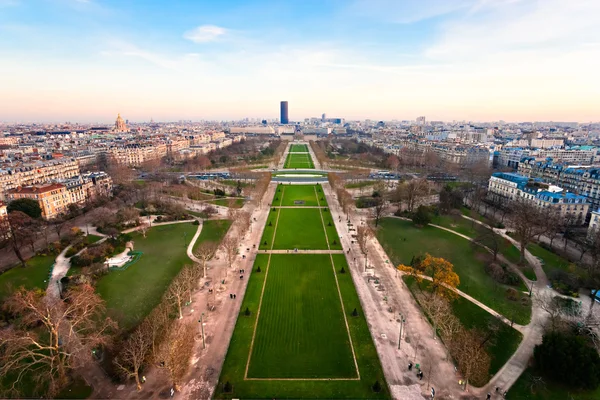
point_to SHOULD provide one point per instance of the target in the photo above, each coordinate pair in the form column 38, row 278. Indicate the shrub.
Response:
column 342, row 271
column 334, row 241
column 258, row 269
column 568, row 359
column 500, row 225
column 421, row 217
column 512, row 294
column 196, row 222
column 377, row 387
column 564, row 282
column 355, row 313
column 227, row 388
column 247, row 312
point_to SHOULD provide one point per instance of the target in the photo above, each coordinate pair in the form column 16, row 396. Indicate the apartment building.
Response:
column 37, row 173
column 136, row 154
column 584, row 180
column 514, row 187
column 53, row 199
column 512, row 156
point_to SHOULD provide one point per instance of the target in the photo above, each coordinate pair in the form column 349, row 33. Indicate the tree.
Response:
column 128, row 215
column 471, row 356
column 440, row 272
column 363, row 234
column 176, row 292
column 421, row 217
column 51, row 337
column 133, row 354
column 190, row 276
column 528, row 221
column 15, row 231
column 205, row 252
column 440, row 312
column 157, row 323
column 177, row 350
column 568, row 359
column 414, row 189
column 450, row 198
column 59, row 223
column 27, row 206
column 379, row 209
column 486, row 237
column 230, row 245
column 393, row 162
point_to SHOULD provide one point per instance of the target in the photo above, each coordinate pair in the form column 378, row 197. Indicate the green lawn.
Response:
column 550, row 262
column 299, row 161
column 471, row 316
column 213, row 230
column 34, row 276
column 402, row 240
column 523, row 390
column 233, row 203
column 91, row 239
column 131, row 294
column 298, row 148
column 239, row 348
column 291, row 193
column 291, row 339
column 299, row 228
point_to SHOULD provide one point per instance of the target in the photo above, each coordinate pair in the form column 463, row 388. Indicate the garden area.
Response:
column 132, row 293
column 33, row 276
column 213, row 230
column 402, row 241
column 298, row 148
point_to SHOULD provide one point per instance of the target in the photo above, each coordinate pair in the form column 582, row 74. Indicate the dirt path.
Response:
column 190, row 248
column 220, row 322
column 418, row 344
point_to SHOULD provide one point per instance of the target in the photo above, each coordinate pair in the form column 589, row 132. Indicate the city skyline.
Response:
column 485, row 60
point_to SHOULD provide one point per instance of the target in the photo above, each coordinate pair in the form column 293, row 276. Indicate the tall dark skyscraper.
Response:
column 284, row 113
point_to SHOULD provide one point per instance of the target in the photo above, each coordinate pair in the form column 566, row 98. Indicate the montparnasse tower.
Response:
column 120, row 125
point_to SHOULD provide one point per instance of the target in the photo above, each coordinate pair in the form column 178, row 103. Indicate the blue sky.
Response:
column 86, row 60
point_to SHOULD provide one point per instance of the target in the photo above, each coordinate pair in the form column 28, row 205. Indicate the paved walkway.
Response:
column 61, row 267
column 190, row 248
column 303, row 183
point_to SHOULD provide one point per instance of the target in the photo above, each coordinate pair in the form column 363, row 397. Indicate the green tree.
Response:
column 421, row 217
column 27, row 206
column 568, row 359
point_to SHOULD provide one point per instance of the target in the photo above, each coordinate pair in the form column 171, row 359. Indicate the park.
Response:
column 301, row 331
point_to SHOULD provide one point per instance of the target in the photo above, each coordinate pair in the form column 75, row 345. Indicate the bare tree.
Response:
column 15, row 232
column 52, row 337
column 176, row 292
column 548, row 302
column 191, row 275
column 230, row 245
column 176, row 351
column 379, row 209
column 156, row 323
column 205, row 252
column 470, row 354
column 133, row 353
column 414, row 189
column 486, row 237
column 363, row 234
column 528, row 222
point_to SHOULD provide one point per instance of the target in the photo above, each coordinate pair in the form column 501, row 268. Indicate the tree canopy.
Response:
column 27, row 206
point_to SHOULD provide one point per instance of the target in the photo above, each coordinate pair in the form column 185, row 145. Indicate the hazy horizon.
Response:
column 473, row 60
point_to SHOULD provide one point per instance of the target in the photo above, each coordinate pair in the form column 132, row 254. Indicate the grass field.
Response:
column 291, row 339
column 291, row 193
column 302, row 347
column 298, row 148
column 299, row 161
column 315, row 223
column 91, row 239
column 34, row 276
column 523, row 390
column 402, row 240
column 212, row 231
column 232, row 203
column 131, row 294
column 550, row 262
column 361, row 184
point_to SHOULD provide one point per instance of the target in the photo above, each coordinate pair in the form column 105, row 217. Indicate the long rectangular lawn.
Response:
column 297, row 160
column 292, row 340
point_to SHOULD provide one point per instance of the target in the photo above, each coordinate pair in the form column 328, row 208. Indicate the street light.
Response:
column 202, row 328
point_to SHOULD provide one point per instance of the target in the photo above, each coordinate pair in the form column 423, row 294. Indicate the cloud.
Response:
column 205, row 34
column 408, row 11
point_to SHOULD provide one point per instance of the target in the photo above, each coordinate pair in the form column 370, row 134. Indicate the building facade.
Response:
column 284, row 113
column 53, row 199
column 569, row 206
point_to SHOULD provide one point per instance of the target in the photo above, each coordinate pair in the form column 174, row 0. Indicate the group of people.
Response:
column 231, row 295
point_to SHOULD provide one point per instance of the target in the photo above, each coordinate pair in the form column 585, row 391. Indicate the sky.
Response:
column 476, row 60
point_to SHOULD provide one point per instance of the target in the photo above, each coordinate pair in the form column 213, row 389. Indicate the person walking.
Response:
column 410, row 365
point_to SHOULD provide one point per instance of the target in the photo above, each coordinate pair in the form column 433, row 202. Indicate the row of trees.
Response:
column 437, row 281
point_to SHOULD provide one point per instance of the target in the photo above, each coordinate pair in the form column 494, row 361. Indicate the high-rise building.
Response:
column 284, row 113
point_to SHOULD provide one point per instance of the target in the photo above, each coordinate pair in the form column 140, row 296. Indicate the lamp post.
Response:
column 202, row 329
column 402, row 320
